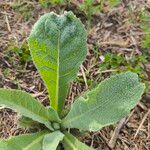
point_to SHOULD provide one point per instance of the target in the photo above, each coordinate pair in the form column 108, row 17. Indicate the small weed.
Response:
column 45, row 3
column 145, row 26
column 120, row 63
column 89, row 7
column 146, row 41
column 22, row 51
column 6, row 72
column 24, row 8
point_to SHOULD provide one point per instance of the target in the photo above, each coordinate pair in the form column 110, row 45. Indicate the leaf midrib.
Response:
column 34, row 142
column 70, row 143
column 57, row 85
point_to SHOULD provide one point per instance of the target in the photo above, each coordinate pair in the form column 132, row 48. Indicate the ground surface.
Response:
column 115, row 39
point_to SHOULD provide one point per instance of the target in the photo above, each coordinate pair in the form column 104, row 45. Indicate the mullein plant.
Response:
column 58, row 47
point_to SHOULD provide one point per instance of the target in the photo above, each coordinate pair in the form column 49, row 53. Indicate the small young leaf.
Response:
column 106, row 104
column 28, row 106
column 72, row 143
column 58, row 47
column 24, row 142
column 51, row 141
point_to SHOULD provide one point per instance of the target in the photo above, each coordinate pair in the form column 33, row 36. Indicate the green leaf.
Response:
column 51, row 141
column 24, row 142
column 25, row 122
column 72, row 143
column 28, row 106
column 106, row 104
column 58, row 47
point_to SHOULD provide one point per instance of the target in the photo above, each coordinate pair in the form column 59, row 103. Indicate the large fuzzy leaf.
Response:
column 27, row 106
column 51, row 141
column 58, row 46
column 106, row 104
column 24, row 142
column 72, row 143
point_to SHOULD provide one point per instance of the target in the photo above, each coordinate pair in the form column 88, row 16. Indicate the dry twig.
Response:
column 114, row 137
column 140, row 126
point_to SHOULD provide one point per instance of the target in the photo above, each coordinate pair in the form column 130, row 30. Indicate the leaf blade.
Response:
column 52, row 140
column 25, row 122
column 58, row 47
column 24, row 142
column 27, row 106
column 106, row 104
column 72, row 143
